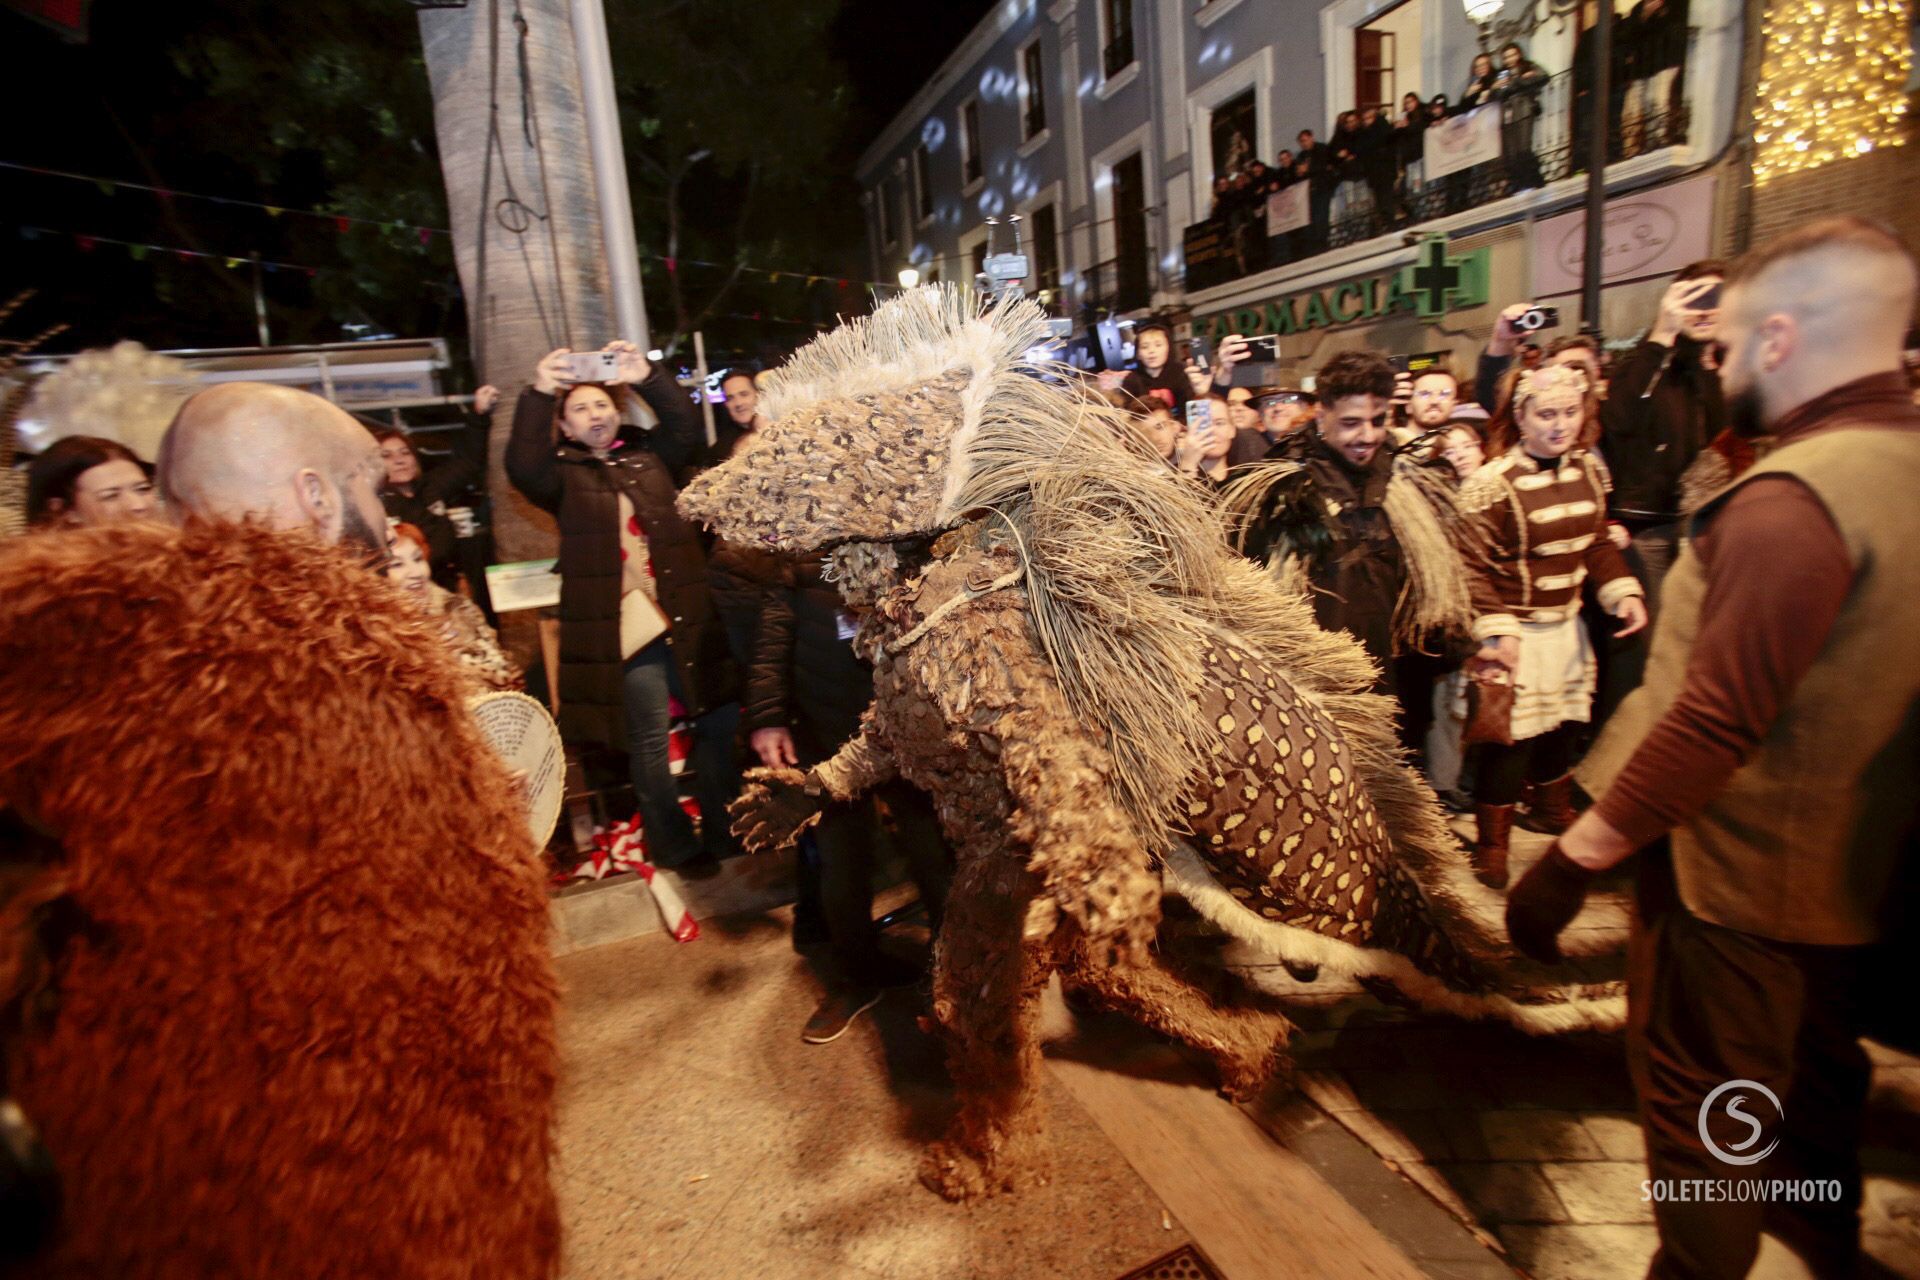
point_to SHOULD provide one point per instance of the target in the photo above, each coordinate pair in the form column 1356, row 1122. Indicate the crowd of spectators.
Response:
column 1368, row 174
column 1560, row 483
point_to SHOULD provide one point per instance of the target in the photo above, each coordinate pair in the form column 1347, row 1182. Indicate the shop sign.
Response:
column 1433, row 285
column 1649, row 233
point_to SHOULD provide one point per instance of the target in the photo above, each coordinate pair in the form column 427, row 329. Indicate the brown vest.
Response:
column 1802, row 844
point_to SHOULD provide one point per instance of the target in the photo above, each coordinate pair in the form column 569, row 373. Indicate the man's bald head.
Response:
column 243, row 450
column 1823, row 305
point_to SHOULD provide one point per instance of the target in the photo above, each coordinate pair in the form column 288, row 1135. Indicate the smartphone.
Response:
column 1265, row 347
column 1199, row 417
column 1200, row 352
column 594, row 366
column 1708, row 301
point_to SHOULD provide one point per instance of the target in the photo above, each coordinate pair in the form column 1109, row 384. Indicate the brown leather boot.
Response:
column 1495, row 822
column 1550, row 806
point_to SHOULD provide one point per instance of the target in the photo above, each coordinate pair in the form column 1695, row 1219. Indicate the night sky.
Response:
column 116, row 107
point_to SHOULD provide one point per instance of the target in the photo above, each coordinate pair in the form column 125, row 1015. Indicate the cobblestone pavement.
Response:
column 1534, row 1140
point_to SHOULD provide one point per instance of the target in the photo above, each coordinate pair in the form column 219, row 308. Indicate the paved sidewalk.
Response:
column 1534, row 1140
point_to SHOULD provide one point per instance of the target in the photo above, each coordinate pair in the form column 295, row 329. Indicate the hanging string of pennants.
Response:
column 342, row 223
column 138, row 251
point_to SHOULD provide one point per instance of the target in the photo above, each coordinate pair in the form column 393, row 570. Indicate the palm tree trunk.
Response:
column 532, row 268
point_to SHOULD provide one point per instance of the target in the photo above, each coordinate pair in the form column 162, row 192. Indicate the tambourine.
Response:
column 527, row 741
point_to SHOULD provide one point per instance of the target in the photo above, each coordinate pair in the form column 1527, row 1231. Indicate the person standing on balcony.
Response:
column 1314, row 166
column 1345, row 146
column 1657, row 43
column 1379, row 160
column 1410, row 150
column 1518, row 85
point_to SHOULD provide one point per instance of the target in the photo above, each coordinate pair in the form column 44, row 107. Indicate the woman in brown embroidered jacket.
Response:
column 1537, row 521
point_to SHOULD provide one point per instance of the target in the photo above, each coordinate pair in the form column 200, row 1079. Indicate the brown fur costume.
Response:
column 307, row 1027
column 1093, row 690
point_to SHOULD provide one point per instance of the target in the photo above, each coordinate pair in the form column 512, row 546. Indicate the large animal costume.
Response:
column 1103, row 702
column 276, row 973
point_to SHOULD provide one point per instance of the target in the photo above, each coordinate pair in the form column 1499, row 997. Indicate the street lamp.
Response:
column 909, row 277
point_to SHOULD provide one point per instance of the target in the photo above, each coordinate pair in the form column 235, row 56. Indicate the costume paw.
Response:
column 959, row 1174
column 774, row 807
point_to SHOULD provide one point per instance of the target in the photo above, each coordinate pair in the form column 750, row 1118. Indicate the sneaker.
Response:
column 836, row 1013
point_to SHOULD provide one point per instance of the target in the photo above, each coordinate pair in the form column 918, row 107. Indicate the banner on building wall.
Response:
column 1288, row 209
column 1649, row 233
column 1460, row 142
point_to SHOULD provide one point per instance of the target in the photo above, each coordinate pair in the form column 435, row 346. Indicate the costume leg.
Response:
column 1247, row 1044
column 987, row 980
column 668, row 830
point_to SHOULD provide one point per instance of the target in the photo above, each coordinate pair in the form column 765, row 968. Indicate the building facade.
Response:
column 1106, row 125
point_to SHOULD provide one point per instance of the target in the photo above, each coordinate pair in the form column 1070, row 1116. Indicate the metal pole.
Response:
column 609, row 170
column 260, row 303
column 700, row 371
column 1593, row 269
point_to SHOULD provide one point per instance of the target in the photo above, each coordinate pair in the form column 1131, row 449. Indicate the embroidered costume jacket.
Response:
column 1536, row 535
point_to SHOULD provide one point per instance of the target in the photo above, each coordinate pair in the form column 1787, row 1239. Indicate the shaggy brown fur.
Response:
column 308, row 1027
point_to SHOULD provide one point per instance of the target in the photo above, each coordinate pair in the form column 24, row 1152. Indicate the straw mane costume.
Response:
column 1105, row 704
column 274, row 957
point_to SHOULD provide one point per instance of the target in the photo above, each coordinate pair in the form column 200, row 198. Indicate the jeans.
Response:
column 650, row 680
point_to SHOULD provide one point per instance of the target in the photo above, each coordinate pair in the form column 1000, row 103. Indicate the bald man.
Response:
column 244, row 450
column 1777, row 740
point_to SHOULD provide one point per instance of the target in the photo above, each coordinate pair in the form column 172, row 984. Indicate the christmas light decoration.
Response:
column 1833, row 79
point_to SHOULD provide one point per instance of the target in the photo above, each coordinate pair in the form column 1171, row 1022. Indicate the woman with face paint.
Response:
column 1537, row 527
column 637, row 624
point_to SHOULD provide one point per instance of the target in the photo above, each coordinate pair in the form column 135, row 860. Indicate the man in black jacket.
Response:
column 1314, row 163
column 806, row 693
column 1663, row 405
column 1331, row 516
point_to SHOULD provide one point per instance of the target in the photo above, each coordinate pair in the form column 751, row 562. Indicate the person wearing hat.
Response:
column 1283, row 409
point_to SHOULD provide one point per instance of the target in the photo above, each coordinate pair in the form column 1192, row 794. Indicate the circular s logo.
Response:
column 1740, row 1153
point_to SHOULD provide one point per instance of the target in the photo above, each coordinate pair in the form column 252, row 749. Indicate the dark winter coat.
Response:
column 805, row 677
column 1662, row 408
column 1334, row 519
column 583, row 491
column 440, row 486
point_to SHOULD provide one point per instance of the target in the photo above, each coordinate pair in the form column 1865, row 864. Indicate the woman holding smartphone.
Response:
column 637, row 627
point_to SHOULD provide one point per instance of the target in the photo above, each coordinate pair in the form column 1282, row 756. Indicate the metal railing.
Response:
column 1560, row 149
column 1551, row 144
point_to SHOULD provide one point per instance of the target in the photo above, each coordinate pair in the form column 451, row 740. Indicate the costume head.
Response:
column 889, row 428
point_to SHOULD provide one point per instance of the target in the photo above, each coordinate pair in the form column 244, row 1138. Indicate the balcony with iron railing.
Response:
column 1545, row 137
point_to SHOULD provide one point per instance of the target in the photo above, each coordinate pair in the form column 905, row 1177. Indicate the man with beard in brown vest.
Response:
column 1777, row 739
